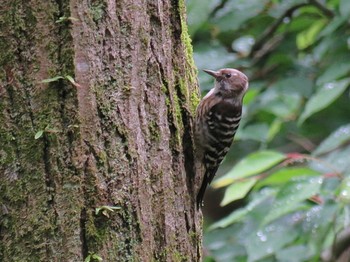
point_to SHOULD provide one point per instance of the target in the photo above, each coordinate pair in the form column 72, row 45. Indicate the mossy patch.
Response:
column 97, row 10
column 153, row 129
column 191, row 72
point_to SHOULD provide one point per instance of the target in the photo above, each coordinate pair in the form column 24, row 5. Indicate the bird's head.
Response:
column 229, row 82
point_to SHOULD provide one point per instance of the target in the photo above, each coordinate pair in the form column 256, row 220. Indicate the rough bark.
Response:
column 119, row 135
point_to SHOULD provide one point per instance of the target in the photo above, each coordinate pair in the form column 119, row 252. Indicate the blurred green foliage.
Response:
column 290, row 161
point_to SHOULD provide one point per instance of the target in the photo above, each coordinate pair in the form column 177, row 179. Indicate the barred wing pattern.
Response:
column 217, row 122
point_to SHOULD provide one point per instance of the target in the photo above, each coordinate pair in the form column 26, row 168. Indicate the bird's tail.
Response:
column 208, row 177
column 200, row 194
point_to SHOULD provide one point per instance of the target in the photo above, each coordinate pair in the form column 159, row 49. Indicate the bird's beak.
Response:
column 212, row 73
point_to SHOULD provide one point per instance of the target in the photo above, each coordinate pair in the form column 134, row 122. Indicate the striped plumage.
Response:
column 217, row 119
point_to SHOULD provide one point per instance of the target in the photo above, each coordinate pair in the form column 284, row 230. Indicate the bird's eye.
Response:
column 227, row 75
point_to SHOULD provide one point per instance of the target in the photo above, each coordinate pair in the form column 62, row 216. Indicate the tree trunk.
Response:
column 96, row 152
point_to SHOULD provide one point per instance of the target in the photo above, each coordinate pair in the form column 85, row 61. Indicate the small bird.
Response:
column 217, row 119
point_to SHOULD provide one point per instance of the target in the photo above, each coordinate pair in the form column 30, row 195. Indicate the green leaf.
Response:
column 243, row 45
column 334, row 140
column 253, row 164
column 97, row 257
column 198, row 12
column 61, row 19
column 241, row 213
column 297, row 85
column 106, row 208
column 284, row 175
column 230, row 219
column 93, row 257
column 256, row 132
column 250, row 96
column 253, row 92
column 267, row 241
column 344, row 8
column 337, row 161
column 208, row 259
column 323, row 98
column 65, row 18
column 54, row 79
column 70, row 79
column 334, row 72
column 309, row 36
column 39, row 134
column 217, row 244
column 294, row 254
column 291, row 195
column 284, row 106
column 344, row 191
column 284, row 97
column 238, row 190
column 321, row 226
column 232, row 17
column 275, row 127
column 333, row 25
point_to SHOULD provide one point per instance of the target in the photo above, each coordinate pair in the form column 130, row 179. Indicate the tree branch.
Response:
column 327, row 12
column 217, row 8
column 267, row 34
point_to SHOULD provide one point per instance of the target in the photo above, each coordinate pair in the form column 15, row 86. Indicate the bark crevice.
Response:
column 84, row 246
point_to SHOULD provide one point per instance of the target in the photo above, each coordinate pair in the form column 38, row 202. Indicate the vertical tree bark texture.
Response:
column 113, row 128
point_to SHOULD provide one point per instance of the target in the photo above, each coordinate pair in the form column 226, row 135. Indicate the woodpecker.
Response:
column 217, row 119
